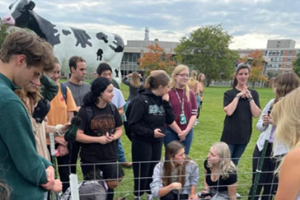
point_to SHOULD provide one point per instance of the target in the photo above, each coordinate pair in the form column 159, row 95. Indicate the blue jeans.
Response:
column 198, row 100
column 120, row 152
column 236, row 151
column 172, row 135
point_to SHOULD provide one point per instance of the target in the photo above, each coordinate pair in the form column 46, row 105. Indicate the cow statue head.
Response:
column 21, row 13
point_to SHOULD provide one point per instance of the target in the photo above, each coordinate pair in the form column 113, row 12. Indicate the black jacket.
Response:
column 149, row 112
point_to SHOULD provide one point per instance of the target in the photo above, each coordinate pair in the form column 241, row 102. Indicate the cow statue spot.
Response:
column 94, row 47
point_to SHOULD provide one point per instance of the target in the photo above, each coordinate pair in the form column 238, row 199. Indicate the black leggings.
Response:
column 145, row 155
column 267, row 179
column 173, row 196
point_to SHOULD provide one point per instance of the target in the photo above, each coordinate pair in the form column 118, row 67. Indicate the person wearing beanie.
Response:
column 98, row 187
column 240, row 105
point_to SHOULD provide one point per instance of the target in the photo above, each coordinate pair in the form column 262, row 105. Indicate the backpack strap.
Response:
column 113, row 107
column 63, row 89
column 89, row 116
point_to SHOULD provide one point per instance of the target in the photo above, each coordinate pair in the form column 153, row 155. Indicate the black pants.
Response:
column 145, row 155
column 74, row 156
column 88, row 167
column 267, row 179
column 63, row 165
column 199, row 108
column 173, row 196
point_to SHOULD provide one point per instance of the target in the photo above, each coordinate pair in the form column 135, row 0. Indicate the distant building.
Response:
column 280, row 55
column 135, row 49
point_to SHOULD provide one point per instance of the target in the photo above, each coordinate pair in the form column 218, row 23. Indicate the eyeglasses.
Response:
column 183, row 75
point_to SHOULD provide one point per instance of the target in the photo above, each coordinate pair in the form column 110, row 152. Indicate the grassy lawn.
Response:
column 207, row 132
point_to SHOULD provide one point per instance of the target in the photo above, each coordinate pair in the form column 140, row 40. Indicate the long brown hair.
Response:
column 284, row 84
column 135, row 80
column 171, row 150
column 239, row 67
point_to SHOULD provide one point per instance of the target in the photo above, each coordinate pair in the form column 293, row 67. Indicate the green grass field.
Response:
column 207, row 132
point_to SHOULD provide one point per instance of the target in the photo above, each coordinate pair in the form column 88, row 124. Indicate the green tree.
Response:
column 156, row 58
column 296, row 65
column 206, row 49
column 3, row 32
column 256, row 73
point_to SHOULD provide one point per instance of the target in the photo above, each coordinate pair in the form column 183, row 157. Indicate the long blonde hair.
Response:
column 226, row 165
column 135, row 80
column 177, row 70
column 286, row 115
column 193, row 79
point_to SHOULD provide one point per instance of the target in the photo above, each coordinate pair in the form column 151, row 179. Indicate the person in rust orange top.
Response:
column 61, row 111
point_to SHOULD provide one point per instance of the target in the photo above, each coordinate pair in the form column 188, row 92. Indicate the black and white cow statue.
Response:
column 94, row 47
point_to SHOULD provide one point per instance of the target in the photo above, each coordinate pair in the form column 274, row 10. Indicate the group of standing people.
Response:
column 167, row 112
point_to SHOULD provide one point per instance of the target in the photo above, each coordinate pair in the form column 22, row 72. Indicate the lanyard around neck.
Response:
column 180, row 101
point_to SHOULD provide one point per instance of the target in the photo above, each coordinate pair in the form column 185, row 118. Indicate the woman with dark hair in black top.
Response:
column 100, row 128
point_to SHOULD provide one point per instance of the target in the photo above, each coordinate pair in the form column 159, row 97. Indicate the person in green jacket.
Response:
column 24, row 57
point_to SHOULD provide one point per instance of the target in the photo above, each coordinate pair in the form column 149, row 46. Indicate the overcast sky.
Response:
column 250, row 22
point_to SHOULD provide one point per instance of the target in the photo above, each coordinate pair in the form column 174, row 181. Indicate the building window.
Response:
column 281, row 52
column 290, row 52
column 289, row 59
column 288, row 66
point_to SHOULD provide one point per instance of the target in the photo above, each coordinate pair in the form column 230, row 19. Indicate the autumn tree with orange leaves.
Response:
column 256, row 74
column 156, row 58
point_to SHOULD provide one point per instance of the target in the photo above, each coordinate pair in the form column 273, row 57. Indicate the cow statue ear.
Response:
column 31, row 5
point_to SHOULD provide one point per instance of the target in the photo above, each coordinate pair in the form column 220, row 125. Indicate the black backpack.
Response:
column 127, row 114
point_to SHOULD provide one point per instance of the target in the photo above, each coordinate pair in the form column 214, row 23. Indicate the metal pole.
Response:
column 53, row 157
column 261, row 162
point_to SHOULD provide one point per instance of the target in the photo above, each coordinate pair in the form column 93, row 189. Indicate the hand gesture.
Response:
column 248, row 94
column 242, row 94
column 182, row 135
column 57, row 186
column 176, row 186
column 63, row 150
column 50, row 179
column 65, row 127
column 158, row 134
column 105, row 139
column 61, row 140
column 166, row 97
column 267, row 120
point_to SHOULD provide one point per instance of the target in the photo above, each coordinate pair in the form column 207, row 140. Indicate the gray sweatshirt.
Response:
column 191, row 178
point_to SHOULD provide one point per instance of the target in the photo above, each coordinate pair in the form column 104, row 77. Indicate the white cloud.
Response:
column 252, row 41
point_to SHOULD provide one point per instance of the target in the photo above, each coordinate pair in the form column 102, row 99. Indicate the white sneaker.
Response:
column 137, row 198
